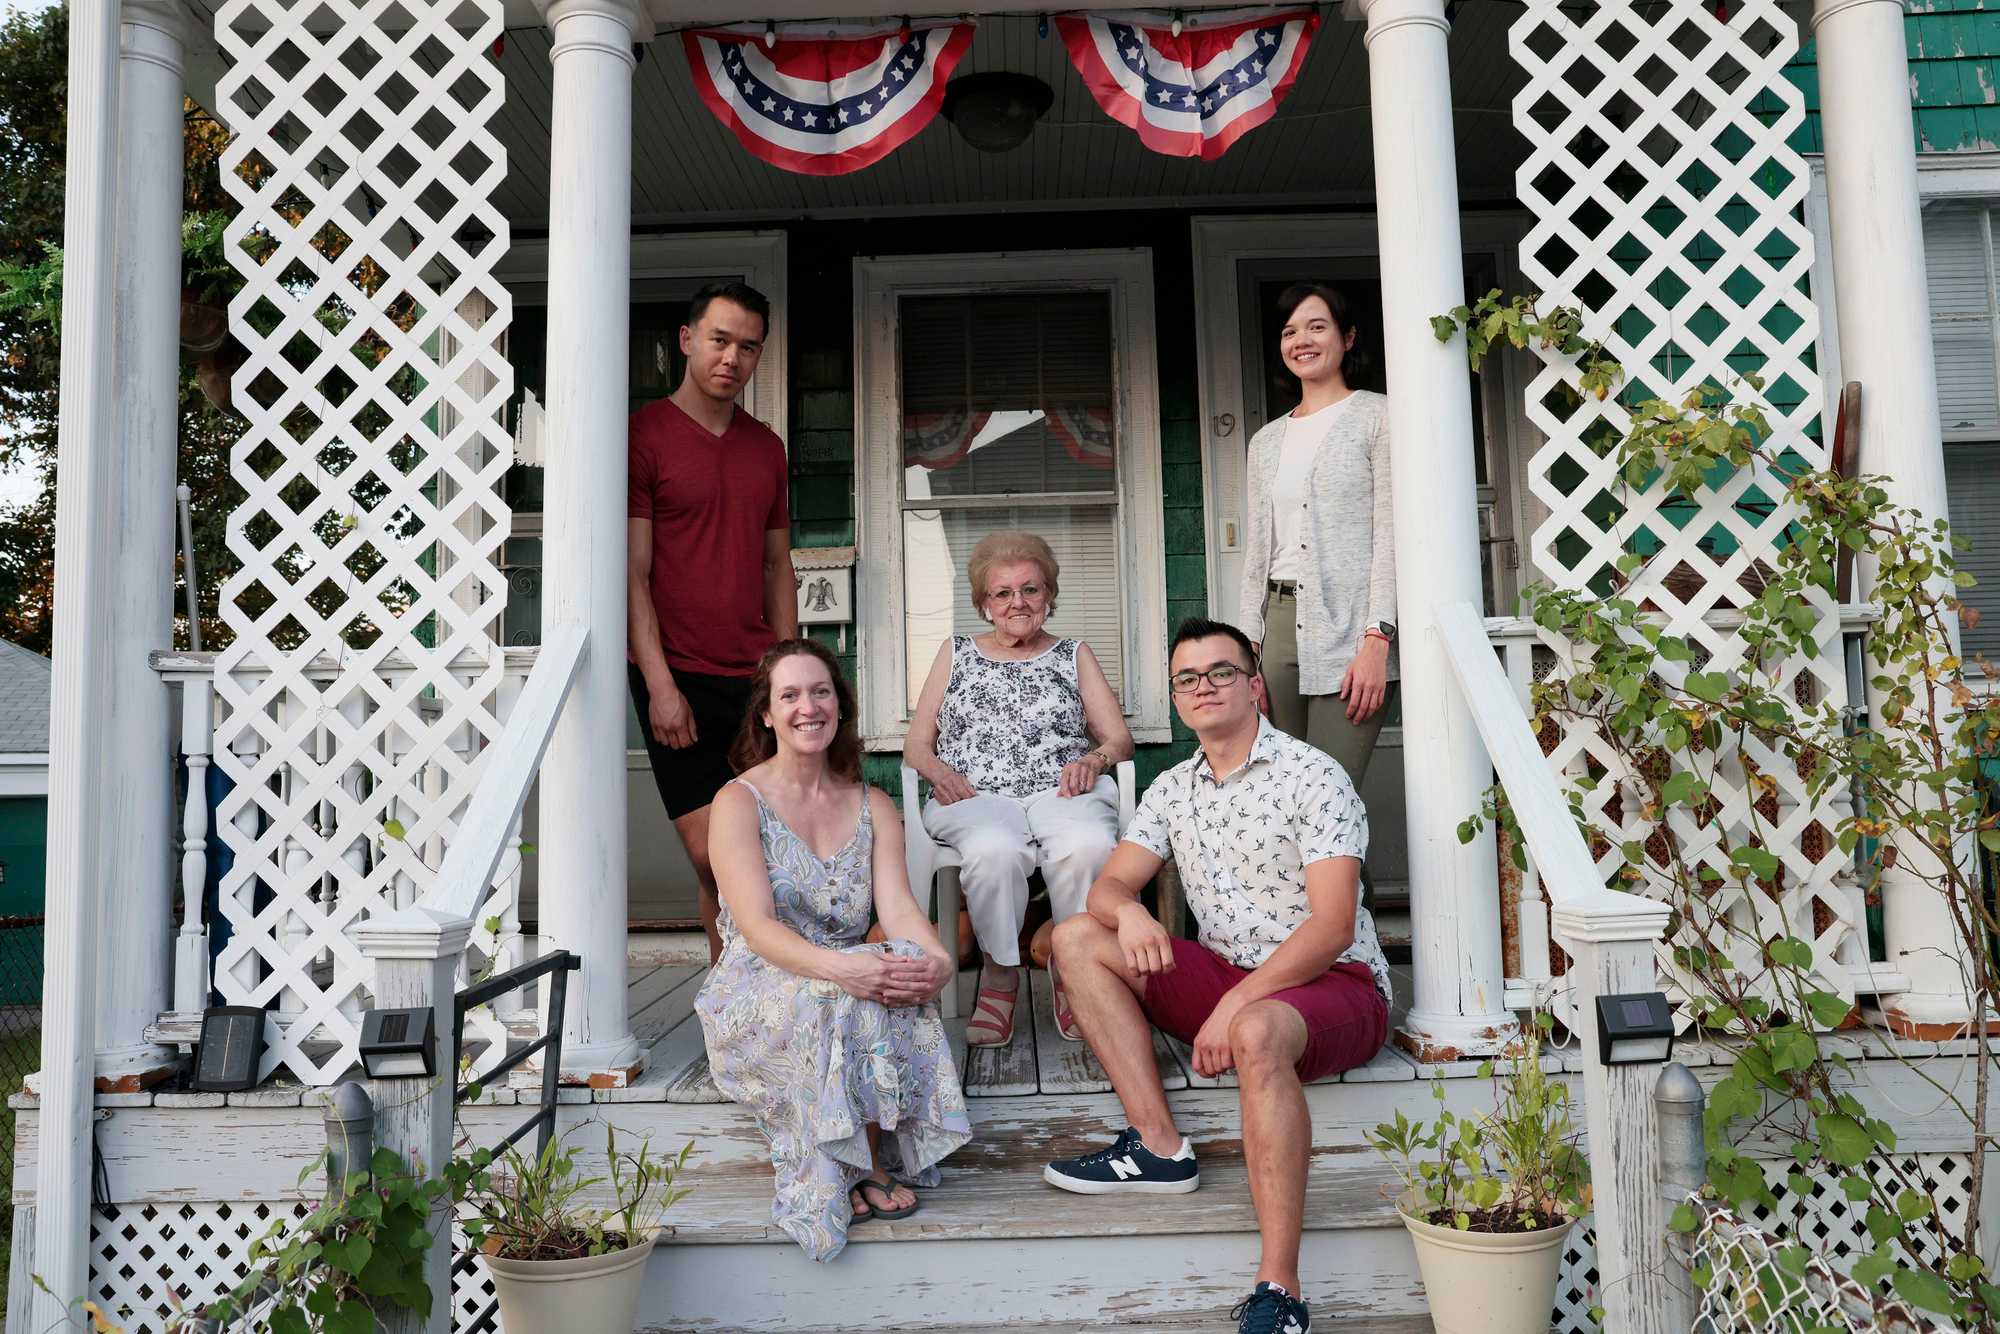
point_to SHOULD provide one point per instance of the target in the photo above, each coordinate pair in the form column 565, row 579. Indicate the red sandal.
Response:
column 1065, row 1018
column 992, row 1022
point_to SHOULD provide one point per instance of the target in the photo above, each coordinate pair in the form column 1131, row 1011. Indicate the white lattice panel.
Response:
column 1830, row 1225
column 363, row 681
column 150, row 1261
column 1664, row 195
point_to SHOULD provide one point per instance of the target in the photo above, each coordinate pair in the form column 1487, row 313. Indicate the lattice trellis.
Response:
column 150, row 1261
column 365, row 676
column 1665, row 198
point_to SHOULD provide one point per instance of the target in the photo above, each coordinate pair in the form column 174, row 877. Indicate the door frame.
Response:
column 1220, row 244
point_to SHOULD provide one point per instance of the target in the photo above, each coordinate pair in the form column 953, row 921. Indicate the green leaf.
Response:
column 1828, row 1010
column 1990, row 839
column 1920, row 1287
column 1682, row 1219
column 1912, row 1205
column 1758, row 862
column 288, row 1319
column 394, row 829
column 1872, row 1269
column 351, row 1318
column 1856, row 1188
column 1846, row 1142
column 1708, row 686
column 1679, row 787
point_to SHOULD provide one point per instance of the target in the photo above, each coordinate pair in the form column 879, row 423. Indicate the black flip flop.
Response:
column 881, row 1189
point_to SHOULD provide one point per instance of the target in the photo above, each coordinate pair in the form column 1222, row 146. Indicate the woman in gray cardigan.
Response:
column 1319, row 570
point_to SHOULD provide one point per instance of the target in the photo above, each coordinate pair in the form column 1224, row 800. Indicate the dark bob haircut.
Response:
column 754, row 742
column 1355, row 364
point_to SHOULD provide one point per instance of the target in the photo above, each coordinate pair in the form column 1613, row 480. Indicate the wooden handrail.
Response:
column 488, row 826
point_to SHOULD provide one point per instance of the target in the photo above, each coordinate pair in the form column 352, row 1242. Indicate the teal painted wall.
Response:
column 1954, row 48
column 24, row 823
column 821, row 287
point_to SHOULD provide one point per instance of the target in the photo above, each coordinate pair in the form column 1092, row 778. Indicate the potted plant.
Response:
column 1489, row 1199
column 560, row 1262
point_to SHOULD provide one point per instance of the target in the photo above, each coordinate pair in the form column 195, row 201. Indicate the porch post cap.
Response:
column 634, row 14
column 1607, row 916
column 413, row 933
column 1823, row 10
column 1382, row 15
column 167, row 18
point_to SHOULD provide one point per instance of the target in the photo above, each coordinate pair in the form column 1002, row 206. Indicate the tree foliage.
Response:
column 33, row 141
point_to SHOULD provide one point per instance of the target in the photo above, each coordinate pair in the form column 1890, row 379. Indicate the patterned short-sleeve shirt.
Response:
column 1242, row 843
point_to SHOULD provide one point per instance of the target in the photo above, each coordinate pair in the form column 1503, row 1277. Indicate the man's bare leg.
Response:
column 1105, row 1001
column 1267, row 1039
column 693, row 829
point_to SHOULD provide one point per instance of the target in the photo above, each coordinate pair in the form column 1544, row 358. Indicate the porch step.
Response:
column 1213, row 1320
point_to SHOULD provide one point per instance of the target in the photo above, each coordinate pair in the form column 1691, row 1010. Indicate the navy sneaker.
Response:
column 1269, row 1309
column 1127, row 1165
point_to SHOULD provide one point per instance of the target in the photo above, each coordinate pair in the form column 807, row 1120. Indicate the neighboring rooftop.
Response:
column 24, row 701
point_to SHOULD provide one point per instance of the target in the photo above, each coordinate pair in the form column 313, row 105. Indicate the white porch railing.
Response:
column 1531, row 965
column 525, row 692
column 1611, row 938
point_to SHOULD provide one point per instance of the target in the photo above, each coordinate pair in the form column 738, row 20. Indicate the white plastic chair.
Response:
column 934, row 864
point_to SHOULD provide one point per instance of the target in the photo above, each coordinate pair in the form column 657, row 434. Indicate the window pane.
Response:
column 1007, row 395
column 1961, row 317
column 938, row 543
column 1972, row 479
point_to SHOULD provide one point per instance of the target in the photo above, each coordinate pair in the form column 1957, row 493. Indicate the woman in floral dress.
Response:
column 830, row 1042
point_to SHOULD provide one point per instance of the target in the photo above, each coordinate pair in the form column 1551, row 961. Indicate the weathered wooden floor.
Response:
column 1038, row 1061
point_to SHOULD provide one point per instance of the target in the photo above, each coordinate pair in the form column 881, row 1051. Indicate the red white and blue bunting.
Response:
column 1193, row 95
column 827, row 100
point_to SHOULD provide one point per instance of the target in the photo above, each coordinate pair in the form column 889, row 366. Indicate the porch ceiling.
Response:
column 688, row 168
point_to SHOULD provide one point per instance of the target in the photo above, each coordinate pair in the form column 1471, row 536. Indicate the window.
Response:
column 1965, row 333
column 1009, row 393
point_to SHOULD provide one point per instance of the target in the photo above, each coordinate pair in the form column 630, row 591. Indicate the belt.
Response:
column 1285, row 587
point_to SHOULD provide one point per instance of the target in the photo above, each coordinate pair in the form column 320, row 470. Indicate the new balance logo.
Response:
column 1292, row 1326
column 1125, row 1167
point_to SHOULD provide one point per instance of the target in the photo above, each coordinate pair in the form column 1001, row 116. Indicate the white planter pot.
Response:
column 598, row 1294
column 1484, row 1282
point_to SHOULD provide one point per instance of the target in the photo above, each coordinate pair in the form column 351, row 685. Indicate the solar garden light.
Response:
column 231, row 1048
column 1634, row 1029
column 398, row 1044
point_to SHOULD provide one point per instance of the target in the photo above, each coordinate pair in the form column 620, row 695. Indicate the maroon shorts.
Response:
column 1346, row 1017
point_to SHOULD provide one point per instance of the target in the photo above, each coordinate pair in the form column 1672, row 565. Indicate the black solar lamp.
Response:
column 231, row 1048
column 1634, row 1029
column 398, row 1044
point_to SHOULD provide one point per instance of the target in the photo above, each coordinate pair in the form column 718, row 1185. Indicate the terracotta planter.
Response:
column 598, row 1294
column 1484, row 1282
column 204, row 325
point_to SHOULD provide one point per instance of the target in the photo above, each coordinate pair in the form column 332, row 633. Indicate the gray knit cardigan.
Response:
column 1350, row 538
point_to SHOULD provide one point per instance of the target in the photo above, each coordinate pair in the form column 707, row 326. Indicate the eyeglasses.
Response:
column 1221, row 676
column 1029, row 592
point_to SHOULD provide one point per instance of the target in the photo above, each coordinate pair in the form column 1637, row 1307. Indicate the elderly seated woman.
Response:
column 1017, row 732
column 833, row 1044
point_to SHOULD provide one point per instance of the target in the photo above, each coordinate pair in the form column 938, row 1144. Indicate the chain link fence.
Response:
column 20, row 1028
column 1750, row 1290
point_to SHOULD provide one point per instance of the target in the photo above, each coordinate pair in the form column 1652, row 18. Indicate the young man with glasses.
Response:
column 1286, row 984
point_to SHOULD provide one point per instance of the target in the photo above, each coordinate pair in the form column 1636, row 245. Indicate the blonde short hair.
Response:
column 1006, row 547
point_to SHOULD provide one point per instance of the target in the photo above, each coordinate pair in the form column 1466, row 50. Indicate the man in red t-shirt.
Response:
column 709, row 563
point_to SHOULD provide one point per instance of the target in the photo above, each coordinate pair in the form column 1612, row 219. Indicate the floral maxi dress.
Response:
column 817, row 1066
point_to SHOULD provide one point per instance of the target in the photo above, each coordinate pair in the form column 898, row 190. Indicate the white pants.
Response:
column 1000, row 840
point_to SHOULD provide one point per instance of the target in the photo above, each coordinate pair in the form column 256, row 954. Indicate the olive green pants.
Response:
column 1320, row 720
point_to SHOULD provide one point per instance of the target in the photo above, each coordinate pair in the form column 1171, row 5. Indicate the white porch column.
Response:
column 138, row 762
column 1454, row 888
column 80, row 708
column 583, row 575
column 1883, row 307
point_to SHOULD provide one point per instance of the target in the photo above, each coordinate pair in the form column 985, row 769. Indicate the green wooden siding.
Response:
column 1954, row 47
column 821, row 285
column 24, row 823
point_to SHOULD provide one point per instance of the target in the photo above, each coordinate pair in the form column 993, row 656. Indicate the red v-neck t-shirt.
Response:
column 711, row 499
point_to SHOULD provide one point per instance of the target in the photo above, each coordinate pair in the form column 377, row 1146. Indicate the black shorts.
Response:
column 689, row 779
